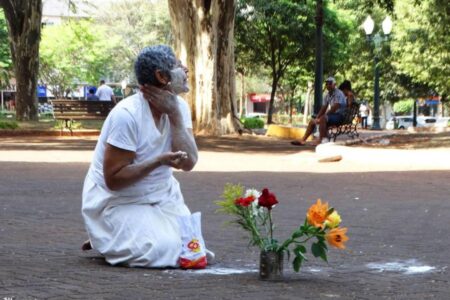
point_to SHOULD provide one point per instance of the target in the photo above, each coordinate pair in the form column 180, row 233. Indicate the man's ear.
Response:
column 161, row 77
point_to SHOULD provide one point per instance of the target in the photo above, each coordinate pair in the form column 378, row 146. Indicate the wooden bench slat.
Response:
column 69, row 110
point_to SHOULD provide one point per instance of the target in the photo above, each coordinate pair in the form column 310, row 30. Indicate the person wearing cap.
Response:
column 331, row 113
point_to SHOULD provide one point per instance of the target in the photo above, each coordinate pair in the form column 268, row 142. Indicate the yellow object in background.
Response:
column 295, row 133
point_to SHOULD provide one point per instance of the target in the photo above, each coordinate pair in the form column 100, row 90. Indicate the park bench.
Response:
column 348, row 126
column 70, row 110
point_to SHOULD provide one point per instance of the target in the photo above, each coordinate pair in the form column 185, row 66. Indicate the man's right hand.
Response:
column 163, row 100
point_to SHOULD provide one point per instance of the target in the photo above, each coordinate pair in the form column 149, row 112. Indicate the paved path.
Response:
column 398, row 225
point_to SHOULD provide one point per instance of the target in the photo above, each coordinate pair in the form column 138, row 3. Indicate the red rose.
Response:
column 267, row 199
column 244, row 201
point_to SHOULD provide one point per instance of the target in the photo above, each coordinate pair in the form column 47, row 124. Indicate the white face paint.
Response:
column 178, row 81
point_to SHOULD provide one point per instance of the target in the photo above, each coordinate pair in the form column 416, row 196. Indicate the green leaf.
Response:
column 297, row 234
column 299, row 250
column 323, row 244
column 319, row 251
column 297, row 263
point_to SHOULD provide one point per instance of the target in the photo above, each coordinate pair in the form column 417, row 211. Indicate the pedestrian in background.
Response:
column 364, row 113
column 105, row 93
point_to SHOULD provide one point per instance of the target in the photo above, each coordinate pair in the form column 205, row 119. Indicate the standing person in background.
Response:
column 105, row 93
column 364, row 113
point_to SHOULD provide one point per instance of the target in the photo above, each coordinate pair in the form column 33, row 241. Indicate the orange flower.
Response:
column 336, row 237
column 317, row 214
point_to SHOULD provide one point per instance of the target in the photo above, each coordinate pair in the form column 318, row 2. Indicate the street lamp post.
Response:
column 318, row 81
column 369, row 25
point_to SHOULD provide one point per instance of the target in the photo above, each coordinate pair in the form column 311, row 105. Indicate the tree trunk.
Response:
column 275, row 80
column 203, row 31
column 291, row 106
column 24, row 27
column 243, row 97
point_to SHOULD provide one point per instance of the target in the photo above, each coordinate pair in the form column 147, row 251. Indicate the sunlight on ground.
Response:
column 354, row 159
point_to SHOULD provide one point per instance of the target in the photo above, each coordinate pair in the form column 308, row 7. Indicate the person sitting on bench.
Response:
column 346, row 88
column 331, row 113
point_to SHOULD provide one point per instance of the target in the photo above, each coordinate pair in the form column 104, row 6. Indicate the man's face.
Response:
column 330, row 85
column 178, row 76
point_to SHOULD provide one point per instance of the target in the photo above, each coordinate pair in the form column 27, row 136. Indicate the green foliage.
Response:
column 253, row 123
column 74, row 125
column 73, row 52
column 403, row 107
column 8, row 125
column 413, row 62
column 45, row 116
column 274, row 34
column 5, row 55
column 421, row 44
column 231, row 192
column 132, row 25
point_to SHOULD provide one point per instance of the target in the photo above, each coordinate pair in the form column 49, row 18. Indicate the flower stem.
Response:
column 254, row 230
column 270, row 226
column 301, row 242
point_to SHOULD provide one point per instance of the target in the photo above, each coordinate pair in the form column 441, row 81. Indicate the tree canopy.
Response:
column 132, row 25
column 422, row 44
column 274, row 39
column 5, row 55
column 73, row 53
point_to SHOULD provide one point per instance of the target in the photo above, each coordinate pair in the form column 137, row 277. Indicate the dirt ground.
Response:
column 395, row 203
column 411, row 141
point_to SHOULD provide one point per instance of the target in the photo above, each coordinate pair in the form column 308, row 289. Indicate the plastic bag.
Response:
column 193, row 251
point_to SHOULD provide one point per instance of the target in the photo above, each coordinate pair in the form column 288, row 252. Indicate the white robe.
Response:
column 136, row 226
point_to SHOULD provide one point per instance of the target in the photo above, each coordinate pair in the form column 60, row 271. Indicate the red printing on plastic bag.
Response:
column 193, row 264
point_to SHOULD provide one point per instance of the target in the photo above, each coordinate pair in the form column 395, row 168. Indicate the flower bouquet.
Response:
column 253, row 212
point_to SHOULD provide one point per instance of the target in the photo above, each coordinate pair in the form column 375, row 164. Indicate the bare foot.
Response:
column 86, row 246
column 298, row 143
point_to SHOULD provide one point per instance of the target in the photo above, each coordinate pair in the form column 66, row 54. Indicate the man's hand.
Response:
column 163, row 100
column 173, row 159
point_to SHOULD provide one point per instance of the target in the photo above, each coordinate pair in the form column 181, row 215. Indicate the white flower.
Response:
column 252, row 192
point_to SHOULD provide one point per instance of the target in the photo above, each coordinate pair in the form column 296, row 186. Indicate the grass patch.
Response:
column 8, row 124
column 253, row 123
